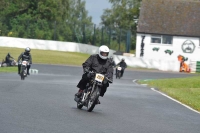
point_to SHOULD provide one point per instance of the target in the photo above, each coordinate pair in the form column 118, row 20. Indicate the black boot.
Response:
column 28, row 72
column 19, row 67
column 98, row 102
column 79, row 93
column 28, row 67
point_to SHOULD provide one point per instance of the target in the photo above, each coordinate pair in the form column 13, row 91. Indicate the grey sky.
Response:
column 95, row 9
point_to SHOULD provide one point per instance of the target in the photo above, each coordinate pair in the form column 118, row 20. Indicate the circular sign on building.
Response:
column 188, row 46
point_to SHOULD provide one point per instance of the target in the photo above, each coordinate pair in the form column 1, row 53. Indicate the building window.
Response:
column 156, row 39
column 167, row 39
column 162, row 39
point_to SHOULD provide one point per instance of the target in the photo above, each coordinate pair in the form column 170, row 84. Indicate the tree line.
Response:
column 68, row 20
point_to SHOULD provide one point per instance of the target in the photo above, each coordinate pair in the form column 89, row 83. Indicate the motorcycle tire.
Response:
column 119, row 75
column 22, row 76
column 92, row 101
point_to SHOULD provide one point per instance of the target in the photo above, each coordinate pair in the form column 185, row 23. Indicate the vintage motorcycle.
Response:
column 119, row 72
column 23, row 72
column 91, row 94
column 12, row 63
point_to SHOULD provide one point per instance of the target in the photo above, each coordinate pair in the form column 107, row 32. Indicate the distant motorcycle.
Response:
column 119, row 72
column 92, row 92
column 12, row 63
column 23, row 72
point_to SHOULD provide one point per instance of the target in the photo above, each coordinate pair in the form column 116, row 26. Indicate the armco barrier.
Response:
column 160, row 64
column 195, row 66
column 49, row 45
column 33, row 71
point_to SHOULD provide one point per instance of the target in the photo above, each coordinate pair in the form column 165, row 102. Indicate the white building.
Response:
column 169, row 28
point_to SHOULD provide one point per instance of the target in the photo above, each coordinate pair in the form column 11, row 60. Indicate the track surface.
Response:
column 44, row 103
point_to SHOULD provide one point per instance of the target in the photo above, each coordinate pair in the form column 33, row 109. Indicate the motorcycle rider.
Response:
column 112, row 61
column 99, row 63
column 123, row 65
column 8, row 59
column 25, row 56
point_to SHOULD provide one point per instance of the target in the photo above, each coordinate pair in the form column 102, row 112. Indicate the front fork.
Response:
column 87, row 93
column 23, row 69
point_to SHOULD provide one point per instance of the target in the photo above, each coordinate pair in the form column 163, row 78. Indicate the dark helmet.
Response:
column 123, row 59
column 27, row 50
column 8, row 54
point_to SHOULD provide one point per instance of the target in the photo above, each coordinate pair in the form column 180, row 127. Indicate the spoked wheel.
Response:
column 92, row 100
column 91, row 104
column 22, row 76
column 119, row 75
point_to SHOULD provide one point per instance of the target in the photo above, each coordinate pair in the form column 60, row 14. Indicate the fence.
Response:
column 114, row 37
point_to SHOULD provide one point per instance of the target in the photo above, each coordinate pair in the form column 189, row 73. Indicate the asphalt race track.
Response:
column 44, row 103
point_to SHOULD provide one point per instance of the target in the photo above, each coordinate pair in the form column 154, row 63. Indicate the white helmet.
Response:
column 103, row 52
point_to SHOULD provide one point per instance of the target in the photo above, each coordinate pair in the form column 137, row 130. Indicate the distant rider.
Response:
column 25, row 56
column 8, row 59
column 123, row 65
column 112, row 61
column 99, row 63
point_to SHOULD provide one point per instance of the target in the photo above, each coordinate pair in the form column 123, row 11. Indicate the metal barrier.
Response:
column 195, row 66
column 33, row 71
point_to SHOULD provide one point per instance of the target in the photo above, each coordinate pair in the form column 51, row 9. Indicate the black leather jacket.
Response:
column 25, row 57
column 95, row 63
column 122, row 64
column 8, row 58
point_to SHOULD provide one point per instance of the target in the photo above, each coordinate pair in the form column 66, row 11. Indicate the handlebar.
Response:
column 110, row 81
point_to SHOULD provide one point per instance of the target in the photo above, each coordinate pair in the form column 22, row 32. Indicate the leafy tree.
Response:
column 122, row 15
column 44, row 19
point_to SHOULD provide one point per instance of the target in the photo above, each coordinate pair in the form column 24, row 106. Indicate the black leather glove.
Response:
column 108, row 79
column 86, row 70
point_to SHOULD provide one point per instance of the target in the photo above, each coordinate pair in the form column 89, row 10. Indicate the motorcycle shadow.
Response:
column 84, row 110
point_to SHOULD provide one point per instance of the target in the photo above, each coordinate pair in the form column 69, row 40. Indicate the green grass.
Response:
column 44, row 57
column 132, row 51
column 185, row 90
column 8, row 69
column 47, row 56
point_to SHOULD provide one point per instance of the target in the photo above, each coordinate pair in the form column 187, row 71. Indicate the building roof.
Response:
column 170, row 17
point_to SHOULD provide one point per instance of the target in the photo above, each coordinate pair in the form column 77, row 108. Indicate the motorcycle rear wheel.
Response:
column 79, row 105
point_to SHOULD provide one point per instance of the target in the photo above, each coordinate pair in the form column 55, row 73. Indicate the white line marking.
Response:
column 175, row 100
column 134, row 81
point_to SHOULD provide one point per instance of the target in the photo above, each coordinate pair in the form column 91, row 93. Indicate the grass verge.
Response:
column 185, row 90
column 44, row 57
column 8, row 69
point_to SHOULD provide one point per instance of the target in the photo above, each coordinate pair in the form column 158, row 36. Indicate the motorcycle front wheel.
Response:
column 119, row 74
column 91, row 104
column 92, row 100
column 22, row 76
column 22, row 73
